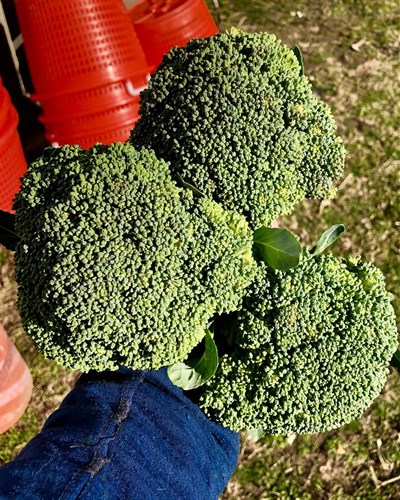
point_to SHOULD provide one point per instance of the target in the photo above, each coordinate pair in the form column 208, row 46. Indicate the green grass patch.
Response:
column 15, row 439
column 361, row 86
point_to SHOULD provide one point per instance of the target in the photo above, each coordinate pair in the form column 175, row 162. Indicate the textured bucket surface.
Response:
column 120, row 134
column 91, row 100
column 163, row 25
column 94, row 123
column 12, row 159
column 5, row 104
column 15, row 383
column 78, row 44
column 12, row 168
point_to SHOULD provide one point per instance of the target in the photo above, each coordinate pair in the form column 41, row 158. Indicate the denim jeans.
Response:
column 124, row 435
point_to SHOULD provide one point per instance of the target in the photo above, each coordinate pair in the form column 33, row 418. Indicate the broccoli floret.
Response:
column 239, row 121
column 116, row 264
column 313, row 346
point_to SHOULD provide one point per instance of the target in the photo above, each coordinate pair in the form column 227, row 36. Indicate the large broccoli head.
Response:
column 238, row 120
column 313, row 349
column 116, row 264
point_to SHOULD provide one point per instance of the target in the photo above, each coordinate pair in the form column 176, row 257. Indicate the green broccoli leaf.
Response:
column 235, row 31
column 187, row 185
column 297, row 52
column 256, row 434
column 279, row 248
column 327, row 238
column 194, row 373
column 395, row 362
column 8, row 236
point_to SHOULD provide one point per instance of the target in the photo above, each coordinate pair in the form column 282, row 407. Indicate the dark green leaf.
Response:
column 279, row 248
column 297, row 52
column 327, row 238
column 185, row 184
column 8, row 237
column 194, row 373
column 256, row 433
column 395, row 362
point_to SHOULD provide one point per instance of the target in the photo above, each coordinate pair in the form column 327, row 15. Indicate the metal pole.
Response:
column 220, row 22
column 12, row 45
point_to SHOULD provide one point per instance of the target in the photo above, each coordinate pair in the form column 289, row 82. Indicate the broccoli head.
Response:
column 119, row 266
column 313, row 346
column 237, row 118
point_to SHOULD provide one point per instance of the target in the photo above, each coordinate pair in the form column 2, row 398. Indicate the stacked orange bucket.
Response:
column 163, row 24
column 87, row 68
column 15, row 383
column 89, row 59
column 12, row 160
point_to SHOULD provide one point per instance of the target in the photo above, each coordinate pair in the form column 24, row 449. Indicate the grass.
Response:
column 358, row 461
column 361, row 84
column 350, row 49
column 51, row 383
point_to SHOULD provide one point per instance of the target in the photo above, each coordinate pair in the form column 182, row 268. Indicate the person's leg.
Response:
column 124, row 435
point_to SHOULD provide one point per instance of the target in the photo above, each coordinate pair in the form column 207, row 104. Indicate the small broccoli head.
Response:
column 116, row 264
column 313, row 349
column 238, row 120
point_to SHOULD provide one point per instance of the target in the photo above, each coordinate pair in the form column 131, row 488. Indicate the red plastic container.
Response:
column 5, row 105
column 12, row 168
column 120, row 134
column 91, row 100
column 12, row 159
column 92, row 123
column 78, row 44
column 15, row 383
column 163, row 24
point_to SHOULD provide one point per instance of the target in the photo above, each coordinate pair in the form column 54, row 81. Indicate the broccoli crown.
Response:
column 116, row 264
column 238, row 120
column 313, row 346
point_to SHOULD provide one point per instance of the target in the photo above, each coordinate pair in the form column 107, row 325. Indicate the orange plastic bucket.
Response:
column 115, row 134
column 162, row 24
column 12, row 168
column 91, row 100
column 78, row 44
column 94, row 122
column 5, row 105
column 12, row 159
column 15, row 383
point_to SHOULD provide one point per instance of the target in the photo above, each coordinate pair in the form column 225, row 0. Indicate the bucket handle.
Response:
column 135, row 91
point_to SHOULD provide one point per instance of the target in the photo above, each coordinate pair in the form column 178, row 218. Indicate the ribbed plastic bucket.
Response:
column 160, row 25
column 78, row 44
column 15, row 383
column 116, row 134
column 12, row 168
column 5, row 104
column 12, row 159
column 92, row 123
column 91, row 100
